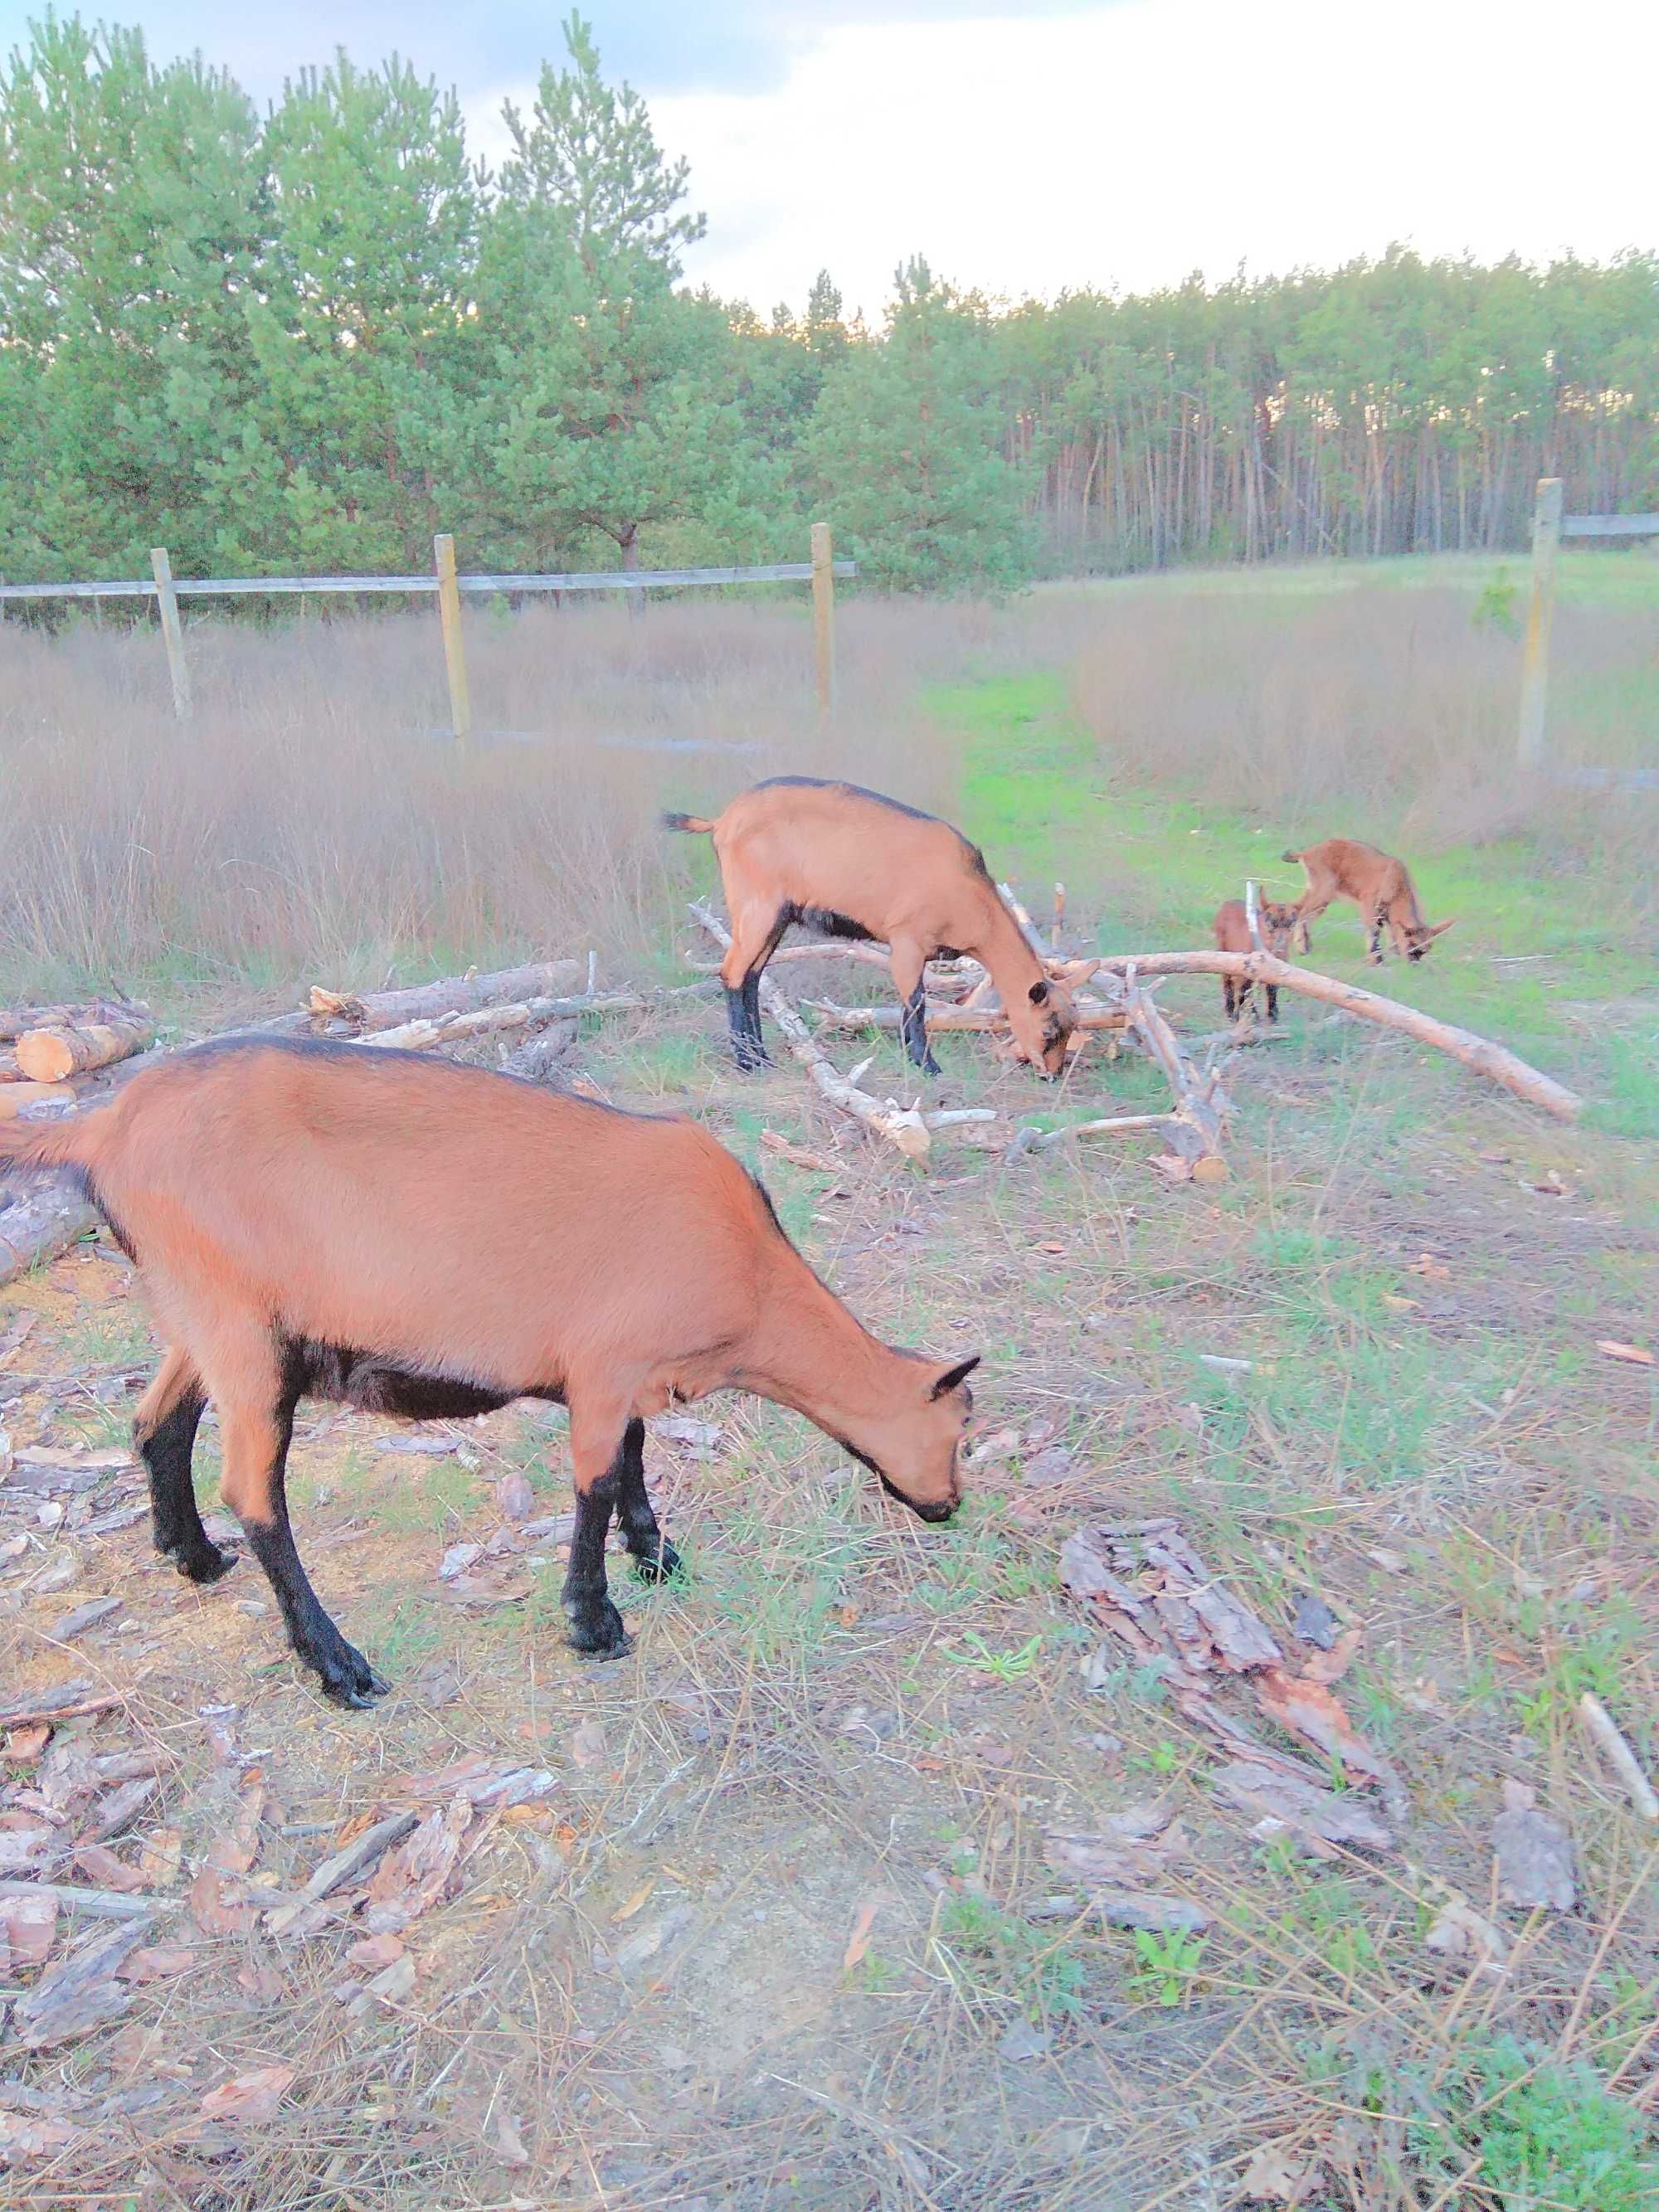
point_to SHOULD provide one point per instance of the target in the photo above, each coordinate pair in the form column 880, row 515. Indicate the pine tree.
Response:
column 904, row 444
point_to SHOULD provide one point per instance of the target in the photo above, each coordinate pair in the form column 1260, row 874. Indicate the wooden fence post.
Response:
column 449, row 614
column 823, row 617
column 166, row 601
column 1536, row 663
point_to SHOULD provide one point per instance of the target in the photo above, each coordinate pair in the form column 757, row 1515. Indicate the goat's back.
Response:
column 463, row 1221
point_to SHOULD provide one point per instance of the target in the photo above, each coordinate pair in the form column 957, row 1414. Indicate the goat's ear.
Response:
column 953, row 1376
column 1040, row 993
column 1441, row 927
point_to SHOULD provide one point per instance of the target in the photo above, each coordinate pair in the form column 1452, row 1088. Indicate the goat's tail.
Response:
column 77, row 1142
column 1290, row 856
column 693, row 821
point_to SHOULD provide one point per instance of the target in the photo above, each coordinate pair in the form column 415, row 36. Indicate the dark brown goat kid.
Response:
column 850, row 863
column 1379, row 885
column 1231, row 929
column 416, row 1239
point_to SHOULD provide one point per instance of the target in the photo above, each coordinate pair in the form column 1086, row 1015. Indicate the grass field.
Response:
column 798, row 1919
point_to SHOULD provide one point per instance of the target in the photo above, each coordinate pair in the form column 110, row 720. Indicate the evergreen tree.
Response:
column 905, row 445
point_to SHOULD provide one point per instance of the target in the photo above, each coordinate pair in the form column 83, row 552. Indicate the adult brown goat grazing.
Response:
column 414, row 1237
column 1379, row 885
column 850, row 863
column 1231, row 931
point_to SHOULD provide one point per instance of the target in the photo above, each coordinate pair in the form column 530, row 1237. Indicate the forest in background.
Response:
column 305, row 340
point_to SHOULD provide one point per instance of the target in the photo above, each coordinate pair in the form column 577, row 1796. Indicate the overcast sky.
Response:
column 1061, row 143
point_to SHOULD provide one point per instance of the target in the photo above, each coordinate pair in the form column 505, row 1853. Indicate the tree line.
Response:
column 308, row 339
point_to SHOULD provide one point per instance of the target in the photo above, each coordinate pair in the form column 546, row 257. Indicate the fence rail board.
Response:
column 1610, row 525
column 598, row 579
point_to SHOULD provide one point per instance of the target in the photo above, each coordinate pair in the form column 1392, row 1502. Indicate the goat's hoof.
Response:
column 597, row 1629
column 657, row 1564
column 931, row 1066
column 347, row 1679
column 202, row 1562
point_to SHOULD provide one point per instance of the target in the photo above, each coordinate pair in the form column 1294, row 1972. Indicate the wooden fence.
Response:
column 450, row 587
column 1549, row 528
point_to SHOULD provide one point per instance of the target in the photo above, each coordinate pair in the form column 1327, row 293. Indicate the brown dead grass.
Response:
column 311, row 819
column 1381, row 703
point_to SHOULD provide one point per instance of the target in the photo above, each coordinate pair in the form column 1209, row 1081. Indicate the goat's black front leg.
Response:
column 654, row 1558
column 912, row 1028
column 1375, row 955
column 1273, row 1002
column 595, row 1624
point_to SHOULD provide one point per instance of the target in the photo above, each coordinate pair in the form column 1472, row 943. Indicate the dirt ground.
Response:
column 817, row 1898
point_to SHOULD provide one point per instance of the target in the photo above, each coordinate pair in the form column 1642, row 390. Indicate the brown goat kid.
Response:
column 1379, row 885
column 850, row 863
column 1231, row 930
column 416, row 1239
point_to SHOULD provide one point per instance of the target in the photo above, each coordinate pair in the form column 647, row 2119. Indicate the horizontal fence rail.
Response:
column 448, row 588
column 596, row 579
column 1610, row 525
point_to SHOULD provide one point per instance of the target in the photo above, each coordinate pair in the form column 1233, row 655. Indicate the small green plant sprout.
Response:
column 1169, row 1964
column 1495, row 608
column 1005, row 1666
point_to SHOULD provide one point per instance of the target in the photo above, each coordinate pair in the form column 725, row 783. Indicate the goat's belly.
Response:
column 372, row 1383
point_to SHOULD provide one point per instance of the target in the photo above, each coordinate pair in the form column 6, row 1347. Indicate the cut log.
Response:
column 1491, row 1060
column 52, row 1056
column 454, row 994
column 901, row 1125
column 14, row 1097
column 14, row 1020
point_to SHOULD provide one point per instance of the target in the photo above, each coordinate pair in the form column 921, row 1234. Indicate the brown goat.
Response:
column 1379, row 885
column 1231, row 930
column 850, row 863
column 418, row 1238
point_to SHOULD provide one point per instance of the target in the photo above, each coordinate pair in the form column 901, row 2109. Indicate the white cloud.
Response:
column 1130, row 145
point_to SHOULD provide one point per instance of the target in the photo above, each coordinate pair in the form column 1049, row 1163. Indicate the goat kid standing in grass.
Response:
column 1231, row 930
column 853, row 864
column 414, row 1237
column 1379, row 885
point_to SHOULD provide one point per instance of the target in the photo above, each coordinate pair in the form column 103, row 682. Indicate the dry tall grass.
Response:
column 309, row 818
column 1374, row 703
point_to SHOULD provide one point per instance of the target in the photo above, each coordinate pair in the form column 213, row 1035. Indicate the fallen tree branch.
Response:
column 39, row 1225
column 943, row 1015
column 1492, row 1060
column 1623, row 1760
column 454, row 994
column 901, row 1125
column 533, row 1013
column 1031, row 1139
column 16, row 1097
column 1202, row 1108
column 93, row 1904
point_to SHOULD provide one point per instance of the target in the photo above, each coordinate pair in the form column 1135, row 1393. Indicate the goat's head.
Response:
column 1278, row 925
column 1419, row 938
column 914, row 1445
column 1042, row 1020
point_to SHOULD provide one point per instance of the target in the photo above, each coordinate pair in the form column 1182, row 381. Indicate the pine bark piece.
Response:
column 54, row 1055
column 80, row 1993
column 360, row 1852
